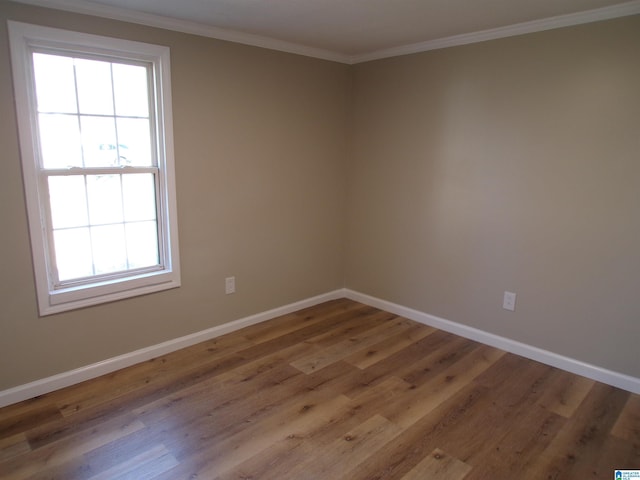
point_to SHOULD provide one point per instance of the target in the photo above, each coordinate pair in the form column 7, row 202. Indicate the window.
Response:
column 94, row 119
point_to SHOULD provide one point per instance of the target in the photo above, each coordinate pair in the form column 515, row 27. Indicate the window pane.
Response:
column 134, row 134
column 73, row 253
column 139, row 197
column 55, row 83
column 105, row 199
column 94, row 87
column 68, row 202
column 60, row 141
column 99, row 142
column 109, row 249
column 142, row 244
column 130, row 86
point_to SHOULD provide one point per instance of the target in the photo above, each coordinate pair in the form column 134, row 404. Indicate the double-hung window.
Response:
column 94, row 118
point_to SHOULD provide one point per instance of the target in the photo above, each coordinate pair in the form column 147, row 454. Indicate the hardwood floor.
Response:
column 337, row 391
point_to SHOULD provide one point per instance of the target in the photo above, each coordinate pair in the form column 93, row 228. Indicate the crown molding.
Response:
column 560, row 21
column 185, row 26
column 116, row 13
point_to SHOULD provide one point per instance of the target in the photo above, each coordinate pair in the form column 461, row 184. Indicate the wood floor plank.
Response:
column 109, row 455
column 417, row 441
column 627, row 426
column 366, row 320
column 566, row 394
column 615, row 454
column 224, row 419
column 97, row 412
column 27, row 419
column 339, row 457
column 366, row 357
column 438, row 466
column 292, row 322
column 354, row 343
column 418, row 402
column 335, row 459
column 13, row 446
column 144, row 466
column 527, row 437
column 223, row 388
column 572, row 452
column 434, row 362
column 360, row 316
column 419, row 362
column 277, row 461
column 207, row 356
column 23, row 408
column 508, row 430
column 52, row 455
column 485, row 427
column 232, row 451
column 336, row 391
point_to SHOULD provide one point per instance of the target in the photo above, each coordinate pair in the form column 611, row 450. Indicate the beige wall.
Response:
column 507, row 165
column 453, row 175
column 260, row 147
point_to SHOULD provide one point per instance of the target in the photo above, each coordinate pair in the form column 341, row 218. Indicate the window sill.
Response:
column 88, row 295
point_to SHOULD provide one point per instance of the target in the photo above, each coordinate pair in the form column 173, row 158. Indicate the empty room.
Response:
column 320, row 239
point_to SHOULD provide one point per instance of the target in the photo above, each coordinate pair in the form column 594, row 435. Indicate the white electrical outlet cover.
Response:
column 230, row 285
column 509, row 301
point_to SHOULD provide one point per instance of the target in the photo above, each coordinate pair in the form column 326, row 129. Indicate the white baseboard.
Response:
column 56, row 382
column 620, row 380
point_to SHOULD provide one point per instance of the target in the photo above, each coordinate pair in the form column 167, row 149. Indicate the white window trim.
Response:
column 23, row 37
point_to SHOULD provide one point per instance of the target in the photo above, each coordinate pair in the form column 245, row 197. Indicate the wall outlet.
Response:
column 509, row 301
column 230, row 285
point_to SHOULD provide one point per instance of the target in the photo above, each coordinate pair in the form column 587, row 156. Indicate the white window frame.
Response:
column 24, row 38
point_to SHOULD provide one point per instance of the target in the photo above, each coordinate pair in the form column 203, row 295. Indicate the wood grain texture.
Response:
column 336, row 391
column 438, row 465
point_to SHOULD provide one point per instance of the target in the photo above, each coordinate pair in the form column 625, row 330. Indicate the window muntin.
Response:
column 103, row 224
column 94, row 116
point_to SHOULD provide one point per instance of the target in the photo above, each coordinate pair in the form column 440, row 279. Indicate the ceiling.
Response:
column 352, row 31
